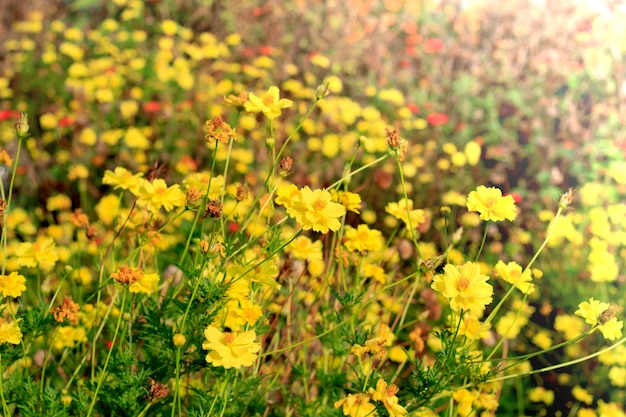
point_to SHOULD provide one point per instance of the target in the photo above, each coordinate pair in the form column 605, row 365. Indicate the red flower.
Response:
column 414, row 108
column 437, row 119
column 8, row 114
column 433, row 45
column 152, row 107
column 66, row 121
column 265, row 50
column 516, row 197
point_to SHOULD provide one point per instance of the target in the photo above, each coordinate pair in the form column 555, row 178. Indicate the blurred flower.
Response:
column 403, row 210
column 362, row 239
column 12, row 285
column 122, row 178
column 356, row 405
column 351, row 201
column 10, row 332
column 387, row 395
column 269, row 103
column 465, row 287
column 42, row 253
column 436, row 119
column 512, row 273
column 230, row 349
column 432, row 45
column 136, row 279
column 491, row 205
column 68, row 309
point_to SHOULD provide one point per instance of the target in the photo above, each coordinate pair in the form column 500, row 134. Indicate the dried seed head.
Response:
column 566, row 199
column 193, row 197
column 284, row 166
column 127, row 275
column 606, row 315
column 218, row 130
column 396, row 143
column 158, row 391
column 241, row 192
column 214, row 209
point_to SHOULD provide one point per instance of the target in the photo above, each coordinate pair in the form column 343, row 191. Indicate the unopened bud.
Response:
column 22, row 127
column 566, row 199
column 179, row 339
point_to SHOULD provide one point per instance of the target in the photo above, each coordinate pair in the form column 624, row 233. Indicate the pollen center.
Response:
column 229, row 338
column 463, row 283
column 319, row 205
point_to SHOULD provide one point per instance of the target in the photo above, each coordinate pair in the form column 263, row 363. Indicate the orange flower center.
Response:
column 319, row 205
column 229, row 338
column 463, row 283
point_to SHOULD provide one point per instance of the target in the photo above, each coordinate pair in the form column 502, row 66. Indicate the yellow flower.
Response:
column 356, row 405
column 491, row 205
column 230, row 350
column 591, row 310
column 313, row 209
column 269, row 103
column 387, row 395
column 122, row 178
column 10, row 332
column 612, row 329
column 136, row 279
column 465, row 287
column 403, row 210
column 12, row 285
column 351, row 201
column 157, row 194
column 148, row 283
column 363, row 239
column 582, row 395
column 512, row 273
column 42, row 253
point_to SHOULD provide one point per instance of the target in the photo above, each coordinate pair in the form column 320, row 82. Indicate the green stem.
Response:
column 5, row 408
column 482, row 243
column 106, row 363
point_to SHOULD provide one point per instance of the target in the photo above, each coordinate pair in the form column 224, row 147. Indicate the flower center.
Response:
column 229, row 338
column 463, row 283
column 319, row 205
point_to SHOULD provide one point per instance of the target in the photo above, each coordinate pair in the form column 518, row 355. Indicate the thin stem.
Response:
column 106, row 363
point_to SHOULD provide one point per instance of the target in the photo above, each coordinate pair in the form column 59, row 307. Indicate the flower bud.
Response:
column 179, row 340
column 22, row 127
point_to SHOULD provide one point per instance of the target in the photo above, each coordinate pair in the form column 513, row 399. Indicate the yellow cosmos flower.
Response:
column 387, row 395
column 512, row 273
column 157, row 194
column 356, row 405
column 601, row 314
column 269, row 103
column 12, row 285
column 122, row 178
column 41, row 253
column 10, row 332
column 148, row 283
column 465, row 287
column 313, row 209
column 491, row 205
column 363, row 239
column 230, row 350
column 403, row 210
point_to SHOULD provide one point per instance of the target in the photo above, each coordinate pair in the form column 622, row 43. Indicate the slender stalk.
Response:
column 106, row 363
